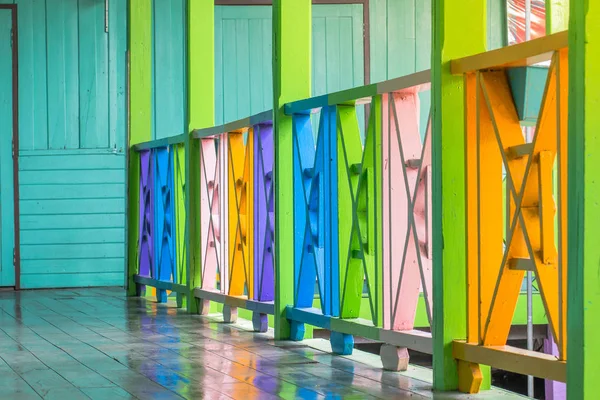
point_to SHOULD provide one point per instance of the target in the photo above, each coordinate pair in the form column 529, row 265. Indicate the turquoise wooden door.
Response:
column 7, row 229
column 243, row 47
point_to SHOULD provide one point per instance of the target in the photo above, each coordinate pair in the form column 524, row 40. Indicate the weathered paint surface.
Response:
column 407, row 243
column 168, row 68
column 292, row 81
column 7, row 235
column 243, row 82
column 71, row 143
column 264, row 213
column 583, row 374
column 140, row 108
column 201, row 114
column 461, row 35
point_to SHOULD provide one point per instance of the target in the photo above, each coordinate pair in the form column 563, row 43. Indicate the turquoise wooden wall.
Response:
column 168, row 68
column 72, row 137
column 497, row 24
column 7, row 236
column 243, row 71
column 400, row 44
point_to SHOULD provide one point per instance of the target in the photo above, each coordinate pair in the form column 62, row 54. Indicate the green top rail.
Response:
column 265, row 117
column 361, row 94
column 164, row 142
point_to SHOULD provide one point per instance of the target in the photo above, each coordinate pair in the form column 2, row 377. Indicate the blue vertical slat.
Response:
column 164, row 214
column 330, row 206
column 315, row 212
column 304, row 158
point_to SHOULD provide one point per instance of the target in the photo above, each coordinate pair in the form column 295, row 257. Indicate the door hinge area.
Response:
column 13, row 147
column 14, row 257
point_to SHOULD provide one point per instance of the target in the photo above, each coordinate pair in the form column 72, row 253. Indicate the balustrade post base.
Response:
column 469, row 377
column 139, row 289
column 179, row 300
column 297, row 331
column 161, row 296
column 230, row 314
column 260, row 322
column 203, row 306
column 394, row 358
column 341, row 343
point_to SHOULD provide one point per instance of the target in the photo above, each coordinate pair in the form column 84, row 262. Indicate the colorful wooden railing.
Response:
column 161, row 245
column 534, row 215
column 362, row 216
column 237, row 218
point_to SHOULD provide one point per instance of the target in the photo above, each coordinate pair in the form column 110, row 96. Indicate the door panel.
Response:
column 7, row 269
column 243, row 47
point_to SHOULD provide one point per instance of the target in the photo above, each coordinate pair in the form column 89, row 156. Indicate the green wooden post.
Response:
column 583, row 320
column 456, row 33
column 140, row 105
column 201, row 114
column 291, row 81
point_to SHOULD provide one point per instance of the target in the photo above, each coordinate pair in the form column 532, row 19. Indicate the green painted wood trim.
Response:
column 140, row 114
column 162, row 285
column 140, row 80
column 265, row 116
column 235, row 301
column 164, row 142
column 377, row 223
column 350, row 96
column 583, row 322
column 292, row 25
column 557, row 16
column 201, row 114
column 456, row 34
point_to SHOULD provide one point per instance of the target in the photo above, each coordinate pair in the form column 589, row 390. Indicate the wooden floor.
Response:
column 96, row 343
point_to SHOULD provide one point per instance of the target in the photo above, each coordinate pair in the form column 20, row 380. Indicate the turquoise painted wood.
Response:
column 401, row 43
column 72, row 219
column 243, row 70
column 33, row 93
column 527, row 86
column 72, row 80
column 168, row 68
column 72, row 139
column 243, row 43
column 497, row 24
column 7, row 237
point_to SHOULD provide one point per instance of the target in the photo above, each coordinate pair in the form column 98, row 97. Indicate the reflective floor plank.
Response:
column 99, row 344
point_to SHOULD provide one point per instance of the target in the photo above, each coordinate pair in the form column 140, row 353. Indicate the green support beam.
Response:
column 140, row 114
column 457, row 33
column 583, row 320
column 291, row 81
column 201, row 114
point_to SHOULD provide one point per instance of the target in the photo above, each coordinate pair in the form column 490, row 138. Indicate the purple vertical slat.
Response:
column 264, row 215
column 146, row 216
column 554, row 390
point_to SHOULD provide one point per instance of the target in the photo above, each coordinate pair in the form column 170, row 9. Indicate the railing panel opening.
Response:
column 161, row 257
column 362, row 216
column 516, row 199
column 237, row 217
